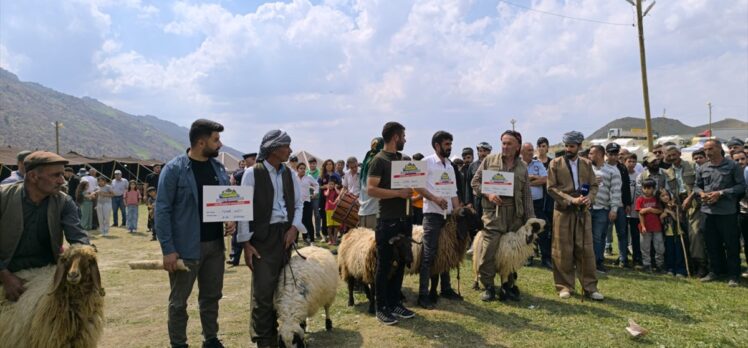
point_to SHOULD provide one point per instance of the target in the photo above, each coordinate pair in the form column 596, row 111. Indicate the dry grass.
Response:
column 677, row 312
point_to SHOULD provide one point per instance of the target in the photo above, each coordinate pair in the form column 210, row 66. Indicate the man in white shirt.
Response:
column 119, row 186
column 91, row 178
column 351, row 182
column 440, row 199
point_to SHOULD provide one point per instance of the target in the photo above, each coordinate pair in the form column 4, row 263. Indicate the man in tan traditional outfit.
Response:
column 511, row 214
column 568, row 179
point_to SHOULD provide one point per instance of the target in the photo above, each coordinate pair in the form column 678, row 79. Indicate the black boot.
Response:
column 489, row 294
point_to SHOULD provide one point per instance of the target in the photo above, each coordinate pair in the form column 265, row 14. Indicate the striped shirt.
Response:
column 609, row 193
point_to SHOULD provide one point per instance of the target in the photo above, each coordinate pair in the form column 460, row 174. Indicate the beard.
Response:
column 570, row 155
column 400, row 146
column 445, row 153
column 210, row 153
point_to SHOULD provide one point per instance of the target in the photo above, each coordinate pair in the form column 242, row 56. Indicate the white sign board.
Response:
column 408, row 174
column 228, row 203
column 498, row 183
column 443, row 183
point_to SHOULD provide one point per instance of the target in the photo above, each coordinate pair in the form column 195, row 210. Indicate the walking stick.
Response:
column 682, row 241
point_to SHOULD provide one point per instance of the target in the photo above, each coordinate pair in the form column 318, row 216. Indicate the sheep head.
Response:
column 402, row 249
column 291, row 335
column 532, row 228
column 468, row 222
column 77, row 268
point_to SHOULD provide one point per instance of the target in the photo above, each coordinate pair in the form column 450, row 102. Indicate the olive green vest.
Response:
column 11, row 220
column 264, row 195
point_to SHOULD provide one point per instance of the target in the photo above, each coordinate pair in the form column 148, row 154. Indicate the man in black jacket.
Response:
column 620, row 222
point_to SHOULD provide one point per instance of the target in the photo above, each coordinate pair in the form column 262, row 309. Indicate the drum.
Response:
column 346, row 213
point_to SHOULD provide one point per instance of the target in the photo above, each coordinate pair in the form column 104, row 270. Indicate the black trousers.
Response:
column 306, row 220
column 743, row 222
column 544, row 238
column 635, row 244
column 263, row 324
column 388, row 287
column 723, row 244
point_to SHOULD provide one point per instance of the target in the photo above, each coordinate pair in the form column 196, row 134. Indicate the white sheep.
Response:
column 357, row 259
column 61, row 307
column 513, row 251
column 306, row 284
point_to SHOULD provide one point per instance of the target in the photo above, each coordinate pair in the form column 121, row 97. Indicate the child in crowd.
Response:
column 331, row 195
column 132, row 198
column 104, row 195
column 150, row 202
column 674, row 261
column 650, row 226
column 85, row 202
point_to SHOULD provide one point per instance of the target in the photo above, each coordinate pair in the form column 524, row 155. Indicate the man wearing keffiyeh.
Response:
column 268, row 238
column 571, row 184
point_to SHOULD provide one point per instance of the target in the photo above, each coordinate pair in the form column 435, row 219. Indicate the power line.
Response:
column 565, row 16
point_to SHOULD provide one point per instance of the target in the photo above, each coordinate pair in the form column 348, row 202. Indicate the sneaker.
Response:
column 708, row 278
column 424, row 302
column 403, row 312
column 733, row 282
column 601, row 269
column 450, row 294
column 564, row 294
column 213, row 343
column 680, row 275
column 153, row 238
column 596, row 296
column 744, row 275
column 489, row 294
column 385, row 317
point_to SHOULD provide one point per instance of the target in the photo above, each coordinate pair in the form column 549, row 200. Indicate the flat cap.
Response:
column 42, row 158
column 612, row 148
column 484, row 145
column 735, row 142
column 117, row 172
column 21, row 156
column 248, row 155
column 467, row 151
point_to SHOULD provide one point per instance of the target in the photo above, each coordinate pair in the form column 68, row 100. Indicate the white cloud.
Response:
column 350, row 65
column 11, row 61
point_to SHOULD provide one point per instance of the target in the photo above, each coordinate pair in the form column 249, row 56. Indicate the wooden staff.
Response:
column 682, row 241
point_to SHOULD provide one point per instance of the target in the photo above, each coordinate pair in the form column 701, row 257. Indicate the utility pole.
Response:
column 643, row 60
column 710, row 119
column 57, row 125
column 513, row 121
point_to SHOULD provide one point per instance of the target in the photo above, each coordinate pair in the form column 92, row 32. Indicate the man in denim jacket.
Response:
column 183, row 235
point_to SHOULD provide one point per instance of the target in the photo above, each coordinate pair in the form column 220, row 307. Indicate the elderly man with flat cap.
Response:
column 34, row 215
column 17, row 175
column 268, row 239
column 571, row 183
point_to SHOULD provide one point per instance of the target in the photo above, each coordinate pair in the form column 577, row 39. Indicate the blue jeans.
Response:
column 132, row 217
column 599, row 230
column 621, row 224
column 118, row 204
column 674, row 260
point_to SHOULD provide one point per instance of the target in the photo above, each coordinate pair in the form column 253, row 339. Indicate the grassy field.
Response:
column 677, row 312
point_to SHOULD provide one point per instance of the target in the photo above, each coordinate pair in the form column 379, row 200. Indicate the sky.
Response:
column 332, row 72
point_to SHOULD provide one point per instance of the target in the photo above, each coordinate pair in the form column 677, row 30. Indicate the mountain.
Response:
column 28, row 112
column 665, row 126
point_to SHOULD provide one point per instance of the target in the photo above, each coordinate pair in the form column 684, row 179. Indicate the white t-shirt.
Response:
column 352, row 184
column 436, row 169
column 92, row 184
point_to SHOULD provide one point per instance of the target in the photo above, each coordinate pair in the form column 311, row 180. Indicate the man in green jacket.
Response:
column 33, row 216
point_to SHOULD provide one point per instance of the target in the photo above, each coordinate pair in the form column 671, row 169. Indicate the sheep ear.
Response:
column 96, row 276
column 536, row 227
column 59, row 277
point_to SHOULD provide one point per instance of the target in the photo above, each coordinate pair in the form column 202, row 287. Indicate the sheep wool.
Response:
column 305, row 285
column 357, row 255
column 513, row 250
column 57, row 309
column 451, row 249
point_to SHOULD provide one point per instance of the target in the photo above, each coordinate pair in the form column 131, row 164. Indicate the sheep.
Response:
column 357, row 260
column 309, row 281
column 513, row 251
column 453, row 241
column 63, row 305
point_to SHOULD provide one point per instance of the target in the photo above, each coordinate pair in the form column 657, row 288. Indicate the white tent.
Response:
column 677, row 139
column 229, row 161
column 305, row 156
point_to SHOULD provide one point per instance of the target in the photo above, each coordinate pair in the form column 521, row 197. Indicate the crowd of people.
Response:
column 670, row 216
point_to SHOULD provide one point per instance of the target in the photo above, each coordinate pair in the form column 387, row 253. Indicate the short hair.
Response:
column 312, row 160
column 698, row 153
column 672, row 148
column 351, row 159
column 406, row 158
column 417, row 156
column 439, row 137
column 203, row 128
column 716, row 142
column 105, row 179
column 649, row 183
column 158, row 165
column 657, row 146
column 634, row 156
column 69, row 170
column 598, row 148
column 300, row 164
column 391, row 129
column 542, row 140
